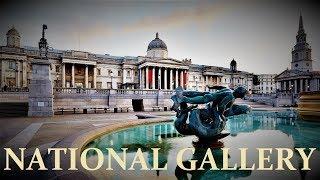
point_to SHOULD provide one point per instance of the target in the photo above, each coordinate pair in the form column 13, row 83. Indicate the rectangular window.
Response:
column 99, row 85
column 98, row 71
column 119, row 85
column 119, row 73
column 128, row 73
column 109, row 85
column 57, row 68
column 12, row 65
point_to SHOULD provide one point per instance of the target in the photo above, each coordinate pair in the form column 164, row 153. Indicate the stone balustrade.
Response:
column 109, row 91
column 13, row 89
column 80, row 91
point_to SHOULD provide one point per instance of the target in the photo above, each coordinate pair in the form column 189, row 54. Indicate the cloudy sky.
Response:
column 259, row 34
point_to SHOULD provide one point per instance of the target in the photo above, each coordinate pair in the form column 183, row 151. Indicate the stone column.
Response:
column 94, row 77
column 143, row 78
column 124, row 76
column 147, row 77
column 295, row 86
column 205, row 80
column 290, row 86
column 159, row 78
column 165, row 79
column 140, row 79
column 307, row 84
column 132, row 75
column 171, row 80
column 86, row 77
column 2, row 73
column 301, row 85
column 181, row 79
column 63, row 75
column 153, row 78
column 72, row 76
column 177, row 80
column 24, row 74
column 18, row 75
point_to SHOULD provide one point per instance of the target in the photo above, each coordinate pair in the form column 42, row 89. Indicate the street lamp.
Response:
column 292, row 96
column 159, row 76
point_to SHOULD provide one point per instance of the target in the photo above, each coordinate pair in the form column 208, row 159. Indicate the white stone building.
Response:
column 267, row 84
column 78, row 69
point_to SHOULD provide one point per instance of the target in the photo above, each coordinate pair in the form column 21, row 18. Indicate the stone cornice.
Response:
column 79, row 61
column 164, row 65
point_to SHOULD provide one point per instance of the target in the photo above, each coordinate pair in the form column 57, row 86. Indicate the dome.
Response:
column 157, row 43
column 233, row 63
column 13, row 32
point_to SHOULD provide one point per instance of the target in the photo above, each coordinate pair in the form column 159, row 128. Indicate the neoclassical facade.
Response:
column 267, row 84
column 301, row 77
column 78, row 69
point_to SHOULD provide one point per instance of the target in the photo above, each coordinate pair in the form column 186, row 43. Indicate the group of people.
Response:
column 206, row 123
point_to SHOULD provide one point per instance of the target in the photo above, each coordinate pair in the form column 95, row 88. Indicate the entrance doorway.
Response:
column 137, row 105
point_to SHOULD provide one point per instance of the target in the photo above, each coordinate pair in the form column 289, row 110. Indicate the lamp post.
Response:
column 159, row 76
column 292, row 94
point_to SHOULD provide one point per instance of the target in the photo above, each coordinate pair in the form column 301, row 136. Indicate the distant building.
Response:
column 267, row 84
column 301, row 77
column 155, row 70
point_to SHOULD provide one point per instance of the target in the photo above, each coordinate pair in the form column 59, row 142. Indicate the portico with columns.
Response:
column 162, row 76
column 301, row 77
column 78, row 73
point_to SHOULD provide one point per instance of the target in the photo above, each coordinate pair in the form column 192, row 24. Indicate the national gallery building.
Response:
column 78, row 69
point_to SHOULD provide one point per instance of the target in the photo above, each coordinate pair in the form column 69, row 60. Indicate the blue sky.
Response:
column 259, row 34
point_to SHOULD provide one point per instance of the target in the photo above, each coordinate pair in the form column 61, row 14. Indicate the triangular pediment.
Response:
column 290, row 74
column 170, row 61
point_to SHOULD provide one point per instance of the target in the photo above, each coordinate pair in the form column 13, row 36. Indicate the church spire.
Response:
column 301, row 23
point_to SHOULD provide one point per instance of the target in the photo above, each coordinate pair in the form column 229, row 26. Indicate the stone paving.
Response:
column 44, row 133
column 33, row 132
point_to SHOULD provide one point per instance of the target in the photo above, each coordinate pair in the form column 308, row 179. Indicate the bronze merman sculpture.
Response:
column 207, row 123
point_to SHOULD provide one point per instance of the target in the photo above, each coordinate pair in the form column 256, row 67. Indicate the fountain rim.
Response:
column 81, row 139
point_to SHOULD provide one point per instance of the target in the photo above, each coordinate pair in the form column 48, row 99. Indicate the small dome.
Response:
column 13, row 32
column 233, row 63
column 157, row 43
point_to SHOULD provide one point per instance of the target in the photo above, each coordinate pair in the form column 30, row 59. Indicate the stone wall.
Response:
column 69, row 98
column 14, row 97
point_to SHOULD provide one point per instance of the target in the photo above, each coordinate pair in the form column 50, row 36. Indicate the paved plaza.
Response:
column 46, row 132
